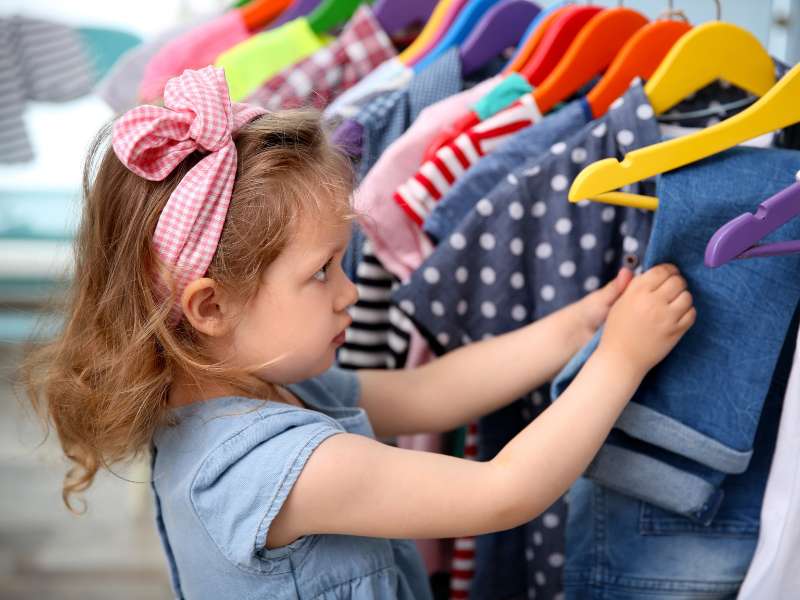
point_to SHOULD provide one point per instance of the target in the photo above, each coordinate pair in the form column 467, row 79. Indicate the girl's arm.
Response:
column 484, row 376
column 357, row 486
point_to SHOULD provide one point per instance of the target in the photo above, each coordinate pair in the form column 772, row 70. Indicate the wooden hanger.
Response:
column 639, row 57
column 708, row 52
column 589, row 54
column 532, row 39
column 501, row 27
column 258, row 13
column 556, row 41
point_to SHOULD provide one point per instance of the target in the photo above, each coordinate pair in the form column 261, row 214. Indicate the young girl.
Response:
column 208, row 304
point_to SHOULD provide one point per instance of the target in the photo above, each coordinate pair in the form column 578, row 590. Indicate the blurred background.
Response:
column 112, row 550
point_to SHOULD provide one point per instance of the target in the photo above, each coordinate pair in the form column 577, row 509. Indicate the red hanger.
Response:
column 457, row 127
column 558, row 38
column 258, row 13
column 639, row 57
column 590, row 53
column 533, row 41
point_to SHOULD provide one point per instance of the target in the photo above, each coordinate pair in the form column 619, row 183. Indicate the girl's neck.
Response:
column 184, row 391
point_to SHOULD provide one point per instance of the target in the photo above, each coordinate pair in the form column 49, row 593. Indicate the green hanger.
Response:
column 331, row 14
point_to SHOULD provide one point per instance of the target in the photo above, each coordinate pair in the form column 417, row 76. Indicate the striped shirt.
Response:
column 419, row 194
column 40, row 61
column 380, row 333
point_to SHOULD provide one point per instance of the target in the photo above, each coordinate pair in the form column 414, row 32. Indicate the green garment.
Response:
column 253, row 62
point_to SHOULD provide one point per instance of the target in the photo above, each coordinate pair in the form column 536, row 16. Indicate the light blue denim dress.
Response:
column 221, row 475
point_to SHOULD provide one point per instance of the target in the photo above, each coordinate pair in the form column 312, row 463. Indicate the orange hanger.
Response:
column 639, row 57
column 590, row 53
column 258, row 13
column 524, row 53
column 556, row 41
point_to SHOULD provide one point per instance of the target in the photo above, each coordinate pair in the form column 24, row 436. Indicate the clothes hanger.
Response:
column 554, row 45
column 331, row 14
column 589, row 54
column 467, row 18
column 533, row 36
column 739, row 237
column 258, row 13
column 639, row 57
column 470, row 119
column 708, row 52
column 501, row 27
column 397, row 15
column 442, row 17
column 298, row 8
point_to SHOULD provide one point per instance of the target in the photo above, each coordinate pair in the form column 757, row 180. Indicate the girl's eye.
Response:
column 322, row 274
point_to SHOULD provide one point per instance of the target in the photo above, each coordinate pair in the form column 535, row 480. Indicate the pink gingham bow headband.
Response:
column 152, row 140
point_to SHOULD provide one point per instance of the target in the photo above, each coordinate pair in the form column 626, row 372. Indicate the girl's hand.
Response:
column 648, row 320
column 594, row 308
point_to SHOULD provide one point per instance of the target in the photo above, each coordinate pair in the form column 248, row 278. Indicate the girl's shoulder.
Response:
column 222, row 454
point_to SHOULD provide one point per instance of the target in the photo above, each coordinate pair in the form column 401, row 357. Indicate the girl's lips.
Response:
column 339, row 339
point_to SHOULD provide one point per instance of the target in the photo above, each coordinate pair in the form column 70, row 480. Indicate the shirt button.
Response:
column 631, row 261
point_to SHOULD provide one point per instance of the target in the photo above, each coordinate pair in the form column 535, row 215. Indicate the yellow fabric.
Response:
column 256, row 60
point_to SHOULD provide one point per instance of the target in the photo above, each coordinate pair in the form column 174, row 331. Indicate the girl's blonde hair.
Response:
column 104, row 381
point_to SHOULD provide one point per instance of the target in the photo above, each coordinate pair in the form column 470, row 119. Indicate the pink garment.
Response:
column 382, row 220
column 195, row 49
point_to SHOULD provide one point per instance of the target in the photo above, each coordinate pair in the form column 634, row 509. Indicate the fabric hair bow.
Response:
column 152, row 140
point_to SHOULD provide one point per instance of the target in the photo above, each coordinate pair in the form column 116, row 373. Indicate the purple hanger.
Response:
column 501, row 27
column 396, row 15
column 739, row 237
column 299, row 8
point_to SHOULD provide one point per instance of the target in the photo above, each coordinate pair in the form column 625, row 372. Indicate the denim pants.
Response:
column 621, row 548
column 692, row 422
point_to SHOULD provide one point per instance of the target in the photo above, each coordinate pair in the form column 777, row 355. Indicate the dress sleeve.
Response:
column 242, row 484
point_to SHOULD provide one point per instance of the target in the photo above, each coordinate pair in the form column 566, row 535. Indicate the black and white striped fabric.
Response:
column 380, row 333
column 40, row 61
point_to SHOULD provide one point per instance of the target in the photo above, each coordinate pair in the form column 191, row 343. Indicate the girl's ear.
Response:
column 207, row 307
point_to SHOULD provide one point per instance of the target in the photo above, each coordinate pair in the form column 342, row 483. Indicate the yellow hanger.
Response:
column 432, row 27
column 709, row 52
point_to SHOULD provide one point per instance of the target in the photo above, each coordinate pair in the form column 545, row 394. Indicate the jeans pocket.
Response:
column 736, row 524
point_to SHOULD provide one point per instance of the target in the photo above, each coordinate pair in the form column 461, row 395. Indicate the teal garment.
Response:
column 505, row 93
column 106, row 46
column 222, row 474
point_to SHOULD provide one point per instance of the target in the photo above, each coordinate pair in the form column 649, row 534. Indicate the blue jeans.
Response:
column 692, row 422
column 620, row 548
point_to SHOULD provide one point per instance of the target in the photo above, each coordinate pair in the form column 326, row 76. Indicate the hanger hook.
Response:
column 718, row 3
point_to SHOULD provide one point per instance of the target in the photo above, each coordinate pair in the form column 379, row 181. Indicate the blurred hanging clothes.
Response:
column 120, row 87
column 251, row 63
column 317, row 80
column 39, row 61
column 106, row 46
column 196, row 48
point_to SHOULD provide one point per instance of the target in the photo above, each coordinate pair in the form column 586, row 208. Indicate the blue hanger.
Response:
column 465, row 22
column 501, row 27
column 739, row 237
